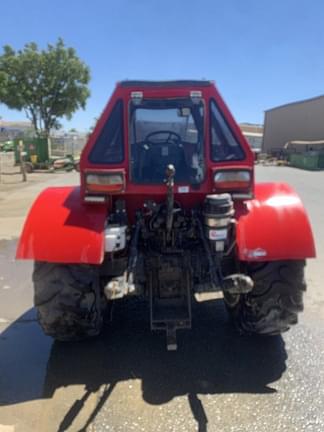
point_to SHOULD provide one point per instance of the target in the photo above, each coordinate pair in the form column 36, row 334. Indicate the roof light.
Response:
column 137, row 97
column 195, row 96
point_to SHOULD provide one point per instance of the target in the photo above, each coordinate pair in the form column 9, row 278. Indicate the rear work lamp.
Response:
column 232, row 180
column 105, row 182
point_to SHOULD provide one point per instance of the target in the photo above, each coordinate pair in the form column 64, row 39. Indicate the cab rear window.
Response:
column 224, row 145
column 109, row 147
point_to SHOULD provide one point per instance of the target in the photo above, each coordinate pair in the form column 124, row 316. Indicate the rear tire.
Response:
column 68, row 300
column 273, row 304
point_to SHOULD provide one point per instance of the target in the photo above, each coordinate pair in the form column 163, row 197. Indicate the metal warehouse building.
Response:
column 303, row 121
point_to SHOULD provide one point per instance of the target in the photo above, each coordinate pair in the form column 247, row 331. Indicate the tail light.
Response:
column 232, row 180
column 105, row 182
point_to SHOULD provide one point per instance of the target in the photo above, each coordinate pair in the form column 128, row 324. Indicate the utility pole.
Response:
column 22, row 154
column 49, row 146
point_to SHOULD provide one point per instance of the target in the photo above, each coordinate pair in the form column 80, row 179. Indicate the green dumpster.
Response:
column 307, row 161
column 321, row 161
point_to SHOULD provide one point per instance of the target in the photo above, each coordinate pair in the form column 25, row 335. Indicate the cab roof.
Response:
column 177, row 83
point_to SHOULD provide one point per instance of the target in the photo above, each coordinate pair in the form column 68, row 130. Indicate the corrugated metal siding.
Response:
column 299, row 121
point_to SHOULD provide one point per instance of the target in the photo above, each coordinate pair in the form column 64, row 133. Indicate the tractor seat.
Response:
column 157, row 157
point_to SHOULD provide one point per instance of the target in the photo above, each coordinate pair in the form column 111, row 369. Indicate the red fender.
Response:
column 274, row 226
column 61, row 228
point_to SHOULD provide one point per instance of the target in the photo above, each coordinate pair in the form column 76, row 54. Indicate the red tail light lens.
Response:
column 232, row 180
column 105, row 182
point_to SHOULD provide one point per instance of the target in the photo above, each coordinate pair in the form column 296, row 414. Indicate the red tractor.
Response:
column 167, row 208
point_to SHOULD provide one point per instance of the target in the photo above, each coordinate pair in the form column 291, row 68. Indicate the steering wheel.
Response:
column 172, row 137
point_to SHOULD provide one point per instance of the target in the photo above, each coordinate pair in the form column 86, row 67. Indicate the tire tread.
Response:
column 68, row 300
column 275, row 301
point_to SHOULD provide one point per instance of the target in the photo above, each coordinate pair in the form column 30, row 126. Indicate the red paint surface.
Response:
column 60, row 228
column 124, row 93
column 274, row 226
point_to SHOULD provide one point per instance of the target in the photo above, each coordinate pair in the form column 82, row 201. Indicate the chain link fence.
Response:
column 62, row 146
column 41, row 150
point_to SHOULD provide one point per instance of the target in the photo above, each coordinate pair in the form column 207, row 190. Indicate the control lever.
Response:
column 170, row 173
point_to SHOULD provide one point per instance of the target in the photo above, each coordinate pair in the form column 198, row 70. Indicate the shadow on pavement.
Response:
column 211, row 358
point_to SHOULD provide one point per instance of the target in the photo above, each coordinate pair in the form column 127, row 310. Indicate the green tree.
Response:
column 46, row 84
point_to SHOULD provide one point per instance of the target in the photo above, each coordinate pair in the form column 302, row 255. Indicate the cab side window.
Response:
column 109, row 147
column 224, row 145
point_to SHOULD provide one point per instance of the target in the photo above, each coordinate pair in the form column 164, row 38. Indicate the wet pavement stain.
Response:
column 23, row 361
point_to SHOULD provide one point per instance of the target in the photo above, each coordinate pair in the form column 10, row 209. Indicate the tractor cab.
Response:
column 148, row 126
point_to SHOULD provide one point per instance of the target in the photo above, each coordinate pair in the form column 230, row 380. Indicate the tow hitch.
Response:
column 170, row 279
column 170, row 302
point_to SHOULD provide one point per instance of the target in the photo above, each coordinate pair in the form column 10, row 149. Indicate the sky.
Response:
column 260, row 53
